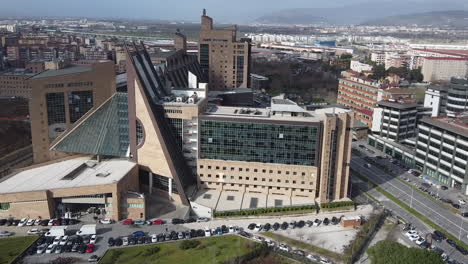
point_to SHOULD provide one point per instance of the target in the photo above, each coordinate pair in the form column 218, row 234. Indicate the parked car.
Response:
column 224, row 229
column 413, row 237
column 465, row 214
column 451, row 242
column 298, row 252
column 284, row 225
column 125, row 241
column 3, row 222
column 251, row 226
column 93, row 239
column 35, row 231
column 326, row 221
column 22, row 222
column 258, row 227
column 138, row 233
column 309, row 223
column 443, row 187
column 5, row 234
column 207, row 232
column 313, row 258
column 41, row 249
column 301, row 224
column 419, row 241
column 111, row 242
column 127, row 222
column 63, row 241
column 158, row 222
column 440, row 234
column 317, row 222
column 37, row 222
column 461, row 202
column 57, row 240
column 58, row 249
column 50, row 249
column 335, row 220
column 461, row 250
column 176, row 221
column 90, row 248
column 276, row 226
column 203, row 219
column 284, row 247
column 139, row 222
column 106, row 221
column 181, row 235
column 30, row 222
column 93, row 258
column 292, row 224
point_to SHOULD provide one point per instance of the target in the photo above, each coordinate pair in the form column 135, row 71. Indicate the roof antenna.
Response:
column 204, row 12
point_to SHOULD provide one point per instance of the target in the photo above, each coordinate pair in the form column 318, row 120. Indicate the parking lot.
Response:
column 320, row 234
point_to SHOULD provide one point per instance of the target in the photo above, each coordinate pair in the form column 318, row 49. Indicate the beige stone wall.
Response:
column 255, row 177
column 33, row 209
column 103, row 78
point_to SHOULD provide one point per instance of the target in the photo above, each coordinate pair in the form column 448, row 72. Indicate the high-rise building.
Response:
column 449, row 99
column 59, row 98
column 224, row 59
column 395, row 120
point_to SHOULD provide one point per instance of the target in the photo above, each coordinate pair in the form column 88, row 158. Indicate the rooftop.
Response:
column 65, row 71
column 398, row 104
column 457, row 125
column 78, row 172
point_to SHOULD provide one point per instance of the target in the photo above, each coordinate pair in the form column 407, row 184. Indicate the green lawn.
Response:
column 304, row 246
column 210, row 250
column 11, row 247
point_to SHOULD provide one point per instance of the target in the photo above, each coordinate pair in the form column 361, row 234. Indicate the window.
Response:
column 247, row 178
column 79, row 104
column 201, row 166
column 139, row 132
column 209, row 167
column 217, row 167
column 278, row 180
column 255, row 170
column 255, row 179
column 264, row 171
column 263, row 179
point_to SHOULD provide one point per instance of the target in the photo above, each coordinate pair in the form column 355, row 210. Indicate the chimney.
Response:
column 206, row 21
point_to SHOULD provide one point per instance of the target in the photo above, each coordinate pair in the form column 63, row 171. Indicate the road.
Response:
column 422, row 228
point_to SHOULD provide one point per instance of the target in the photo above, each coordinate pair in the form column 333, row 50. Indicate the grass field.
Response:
column 210, row 250
column 11, row 247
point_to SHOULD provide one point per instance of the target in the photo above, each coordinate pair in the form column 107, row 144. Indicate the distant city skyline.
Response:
column 230, row 12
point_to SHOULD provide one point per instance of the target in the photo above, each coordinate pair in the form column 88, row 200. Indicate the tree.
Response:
column 346, row 56
column 379, row 72
column 390, row 252
column 416, row 75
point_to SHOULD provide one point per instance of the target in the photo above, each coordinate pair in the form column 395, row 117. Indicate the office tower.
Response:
column 224, row 59
column 59, row 98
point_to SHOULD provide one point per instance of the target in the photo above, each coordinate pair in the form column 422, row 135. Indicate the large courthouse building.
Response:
column 167, row 139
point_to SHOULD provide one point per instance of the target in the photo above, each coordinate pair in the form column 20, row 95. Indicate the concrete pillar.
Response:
column 150, row 182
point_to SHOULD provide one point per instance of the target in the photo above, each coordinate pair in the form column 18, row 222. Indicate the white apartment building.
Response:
column 435, row 98
column 360, row 67
column 395, row 120
column 443, row 68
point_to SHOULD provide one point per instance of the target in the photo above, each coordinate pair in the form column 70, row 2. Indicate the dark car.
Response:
column 309, row 223
column 334, row 221
column 67, row 248
column 218, row 231
column 251, row 226
column 188, row 235
column 160, row 237
column 245, row 234
column 82, row 249
column 224, row 229
column 174, row 235
column 167, row 237
column 440, row 234
column 465, row 214
column 424, row 245
column 86, row 239
column 75, row 247
column 326, row 221
column 461, row 250
column 267, row 227
column 9, row 222
column 177, row 221
column 193, row 233
column 451, row 242
column 15, row 222
column 191, row 220
column 301, row 224
column 72, row 221
column 200, row 233
column 132, row 240
column 64, row 222
column 44, row 222
column 138, row 234
column 118, row 242
column 276, row 226
column 284, row 225
column 111, row 242
column 436, row 238
column 456, row 206
column 31, row 251
column 3, row 221
column 443, row 187
column 148, row 240
column 140, row 240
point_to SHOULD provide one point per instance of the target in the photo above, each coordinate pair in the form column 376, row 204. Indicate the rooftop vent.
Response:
column 103, row 174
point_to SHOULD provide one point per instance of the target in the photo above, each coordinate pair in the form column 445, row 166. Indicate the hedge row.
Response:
column 337, row 204
column 261, row 211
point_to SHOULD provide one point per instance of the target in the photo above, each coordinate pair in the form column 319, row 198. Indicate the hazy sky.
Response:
column 169, row 9
column 222, row 10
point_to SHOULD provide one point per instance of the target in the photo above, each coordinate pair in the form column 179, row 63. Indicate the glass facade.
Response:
column 56, row 118
column 259, row 142
column 176, row 126
column 205, row 58
column 139, row 132
column 79, row 104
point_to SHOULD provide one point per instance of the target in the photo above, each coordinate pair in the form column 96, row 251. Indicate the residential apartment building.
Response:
column 395, row 120
column 224, row 59
column 15, row 83
column 359, row 66
column 435, row 98
column 444, row 68
column 62, row 97
column 362, row 94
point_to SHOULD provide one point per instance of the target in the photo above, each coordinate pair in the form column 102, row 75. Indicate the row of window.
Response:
column 217, row 176
column 133, row 205
column 248, row 170
column 256, row 186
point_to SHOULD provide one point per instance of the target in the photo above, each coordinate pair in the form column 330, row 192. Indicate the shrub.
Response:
column 188, row 244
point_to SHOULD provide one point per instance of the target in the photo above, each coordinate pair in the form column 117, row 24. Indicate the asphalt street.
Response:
column 454, row 224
